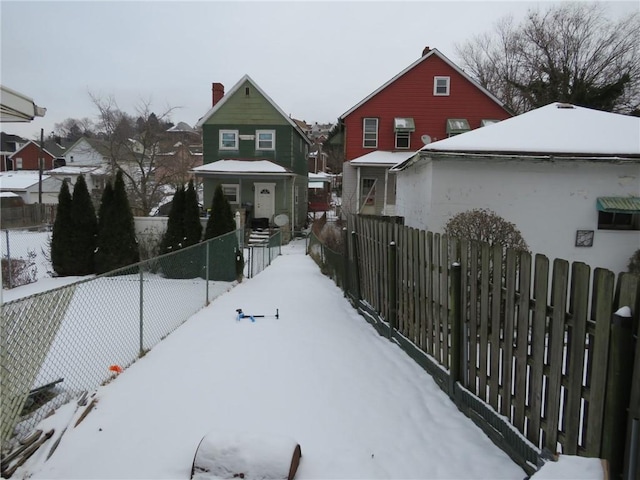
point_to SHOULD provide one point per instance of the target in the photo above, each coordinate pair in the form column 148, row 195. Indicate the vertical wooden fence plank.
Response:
column 437, row 317
column 538, row 340
column 509, row 327
column 578, row 305
column 484, row 320
column 464, row 301
column 601, row 308
column 522, row 336
column 422, row 305
column 556, row 349
column 445, row 265
column 496, row 317
column 410, row 285
column 429, row 294
column 474, row 273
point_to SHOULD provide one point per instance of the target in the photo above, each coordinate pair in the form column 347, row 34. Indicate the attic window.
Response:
column 456, row 126
column 486, row 122
column 441, row 86
column 246, row 91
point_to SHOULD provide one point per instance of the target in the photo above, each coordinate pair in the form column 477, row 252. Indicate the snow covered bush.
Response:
column 487, row 226
column 19, row 271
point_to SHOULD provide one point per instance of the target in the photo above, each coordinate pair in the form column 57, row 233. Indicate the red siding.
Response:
column 412, row 96
column 30, row 154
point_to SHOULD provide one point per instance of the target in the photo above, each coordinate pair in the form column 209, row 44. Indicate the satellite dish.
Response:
column 281, row 220
column 425, row 139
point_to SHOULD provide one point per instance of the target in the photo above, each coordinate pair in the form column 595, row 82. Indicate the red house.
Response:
column 26, row 158
column 430, row 100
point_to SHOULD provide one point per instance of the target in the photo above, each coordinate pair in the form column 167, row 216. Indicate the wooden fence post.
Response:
column 393, row 301
column 345, row 239
column 456, row 329
column 618, row 392
column 356, row 262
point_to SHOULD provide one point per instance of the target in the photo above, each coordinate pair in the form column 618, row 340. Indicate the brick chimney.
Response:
column 425, row 51
column 217, row 90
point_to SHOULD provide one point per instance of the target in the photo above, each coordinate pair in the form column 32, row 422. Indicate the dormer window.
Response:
column 441, row 86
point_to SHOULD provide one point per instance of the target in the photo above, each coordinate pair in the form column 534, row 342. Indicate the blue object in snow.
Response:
column 242, row 315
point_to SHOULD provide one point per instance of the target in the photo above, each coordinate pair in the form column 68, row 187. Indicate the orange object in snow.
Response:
column 115, row 368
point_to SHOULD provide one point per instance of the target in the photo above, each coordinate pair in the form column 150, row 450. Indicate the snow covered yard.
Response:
column 357, row 404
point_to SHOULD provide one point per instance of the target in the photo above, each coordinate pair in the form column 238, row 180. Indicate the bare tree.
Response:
column 571, row 53
column 74, row 128
column 136, row 144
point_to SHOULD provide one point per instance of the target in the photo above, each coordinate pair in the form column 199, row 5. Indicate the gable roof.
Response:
column 100, row 146
column 425, row 57
column 37, row 146
column 234, row 89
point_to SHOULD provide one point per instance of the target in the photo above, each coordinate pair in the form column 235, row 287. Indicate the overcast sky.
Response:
column 314, row 59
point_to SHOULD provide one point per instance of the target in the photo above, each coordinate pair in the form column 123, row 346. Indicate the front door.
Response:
column 265, row 200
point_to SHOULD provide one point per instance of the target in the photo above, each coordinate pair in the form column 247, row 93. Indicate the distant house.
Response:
column 28, row 157
column 9, row 144
column 88, row 152
column 27, row 186
column 430, row 100
column 568, row 177
column 257, row 153
column 181, row 152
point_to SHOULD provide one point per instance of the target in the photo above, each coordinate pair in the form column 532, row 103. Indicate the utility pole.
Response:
column 40, row 166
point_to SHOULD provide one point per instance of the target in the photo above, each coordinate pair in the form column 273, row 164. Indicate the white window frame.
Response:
column 447, row 85
column 403, row 134
column 371, row 200
column 364, row 133
column 231, row 189
column 273, row 139
column 18, row 163
column 236, row 137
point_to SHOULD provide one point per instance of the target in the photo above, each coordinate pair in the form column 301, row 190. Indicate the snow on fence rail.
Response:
column 68, row 338
column 519, row 345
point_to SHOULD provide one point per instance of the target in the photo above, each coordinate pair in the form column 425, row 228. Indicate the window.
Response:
column 403, row 128
column 487, row 121
column 231, row 192
column 441, row 86
column 228, row 140
column 265, row 140
column 370, row 133
column 403, row 139
column 618, row 213
column 368, row 192
column 18, row 163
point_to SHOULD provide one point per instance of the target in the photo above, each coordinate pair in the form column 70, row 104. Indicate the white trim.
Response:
column 221, row 145
column 447, row 80
column 273, row 139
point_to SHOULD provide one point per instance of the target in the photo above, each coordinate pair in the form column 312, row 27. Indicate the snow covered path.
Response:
column 359, row 407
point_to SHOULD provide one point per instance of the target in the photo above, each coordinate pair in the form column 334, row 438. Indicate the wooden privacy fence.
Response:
column 538, row 354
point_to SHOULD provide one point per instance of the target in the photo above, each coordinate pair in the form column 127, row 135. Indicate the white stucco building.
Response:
column 568, row 177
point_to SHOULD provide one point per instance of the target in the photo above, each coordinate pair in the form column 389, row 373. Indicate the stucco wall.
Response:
column 547, row 201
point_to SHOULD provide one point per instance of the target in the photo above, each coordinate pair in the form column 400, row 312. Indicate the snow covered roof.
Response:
column 19, row 180
column 182, row 127
column 381, row 158
column 239, row 167
column 8, row 194
column 77, row 171
column 557, row 128
column 319, row 177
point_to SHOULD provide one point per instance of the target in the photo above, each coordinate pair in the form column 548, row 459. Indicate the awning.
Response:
column 457, row 125
column 619, row 204
column 16, row 107
column 404, row 124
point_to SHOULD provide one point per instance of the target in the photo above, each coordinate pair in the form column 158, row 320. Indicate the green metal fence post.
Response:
column 357, row 266
column 345, row 239
column 393, row 289
column 141, row 310
column 456, row 329
column 618, row 390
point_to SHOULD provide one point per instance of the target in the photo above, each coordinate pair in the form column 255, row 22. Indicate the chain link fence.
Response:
column 60, row 343
column 259, row 256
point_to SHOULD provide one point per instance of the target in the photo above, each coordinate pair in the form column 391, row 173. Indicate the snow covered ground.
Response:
column 359, row 407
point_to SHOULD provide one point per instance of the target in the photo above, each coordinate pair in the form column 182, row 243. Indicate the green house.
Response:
column 258, row 154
